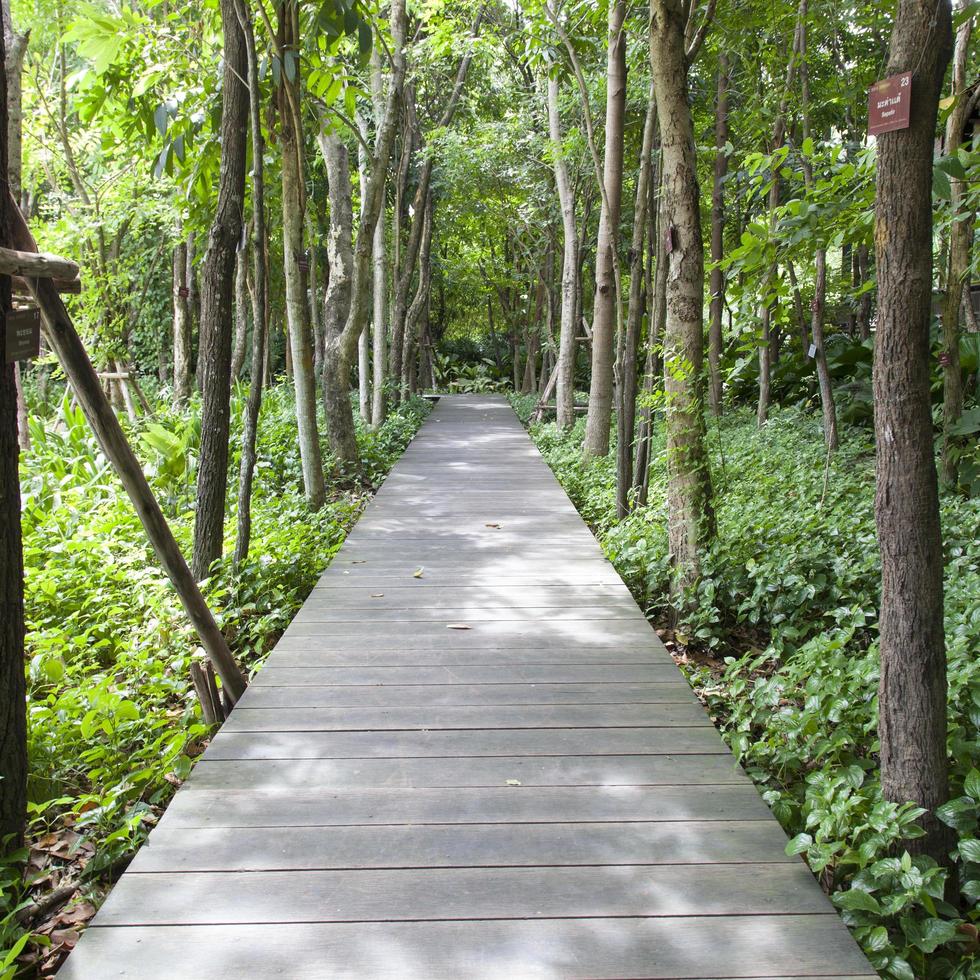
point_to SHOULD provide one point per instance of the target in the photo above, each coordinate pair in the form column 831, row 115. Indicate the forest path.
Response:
column 537, row 795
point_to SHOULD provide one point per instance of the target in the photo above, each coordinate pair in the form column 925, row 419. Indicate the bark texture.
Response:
column 717, row 286
column 912, row 692
column 689, row 502
column 183, row 339
column 607, row 300
column 217, row 279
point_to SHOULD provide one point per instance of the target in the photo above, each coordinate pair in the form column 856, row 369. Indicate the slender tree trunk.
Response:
column 293, row 212
column 607, row 300
column 364, row 340
column 379, row 285
column 864, row 302
column 183, row 340
column 959, row 260
column 415, row 311
column 241, row 315
column 260, row 309
column 912, row 692
column 820, row 262
column 13, row 709
column 193, row 299
column 690, row 516
column 316, row 310
column 217, row 278
column 629, row 341
column 768, row 341
column 718, row 237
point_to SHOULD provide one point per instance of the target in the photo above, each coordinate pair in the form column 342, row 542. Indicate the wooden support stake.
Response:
column 36, row 264
column 200, row 682
column 546, row 394
column 66, row 344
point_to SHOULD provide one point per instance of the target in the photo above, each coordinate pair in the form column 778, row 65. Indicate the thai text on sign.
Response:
column 889, row 103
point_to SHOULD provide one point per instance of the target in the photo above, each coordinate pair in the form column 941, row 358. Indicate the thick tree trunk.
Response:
column 415, row 311
column 717, row 286
column 242, row 303
column 607, row 301
column 629, row 341
column 217, row 278
column 912, row 692
column 293, row 212
column 565, row 382
column 958, row 263
column 690, row 516
column 260, row 310
column 183, row 339
column 13, row 709
column 337, row 361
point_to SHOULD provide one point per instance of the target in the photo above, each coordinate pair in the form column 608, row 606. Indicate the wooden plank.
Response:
column 603, row 949
column 431, row 718
column 463, row 893
column 458, row 695
column 698, row 740
column 299, row 667
column 317, row 611
column 499, row 804
column 453, row 845
column 345, row 774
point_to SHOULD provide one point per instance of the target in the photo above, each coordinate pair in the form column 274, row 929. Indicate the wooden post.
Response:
column 68, row 347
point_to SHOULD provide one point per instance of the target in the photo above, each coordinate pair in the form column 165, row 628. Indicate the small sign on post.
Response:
column 889, row 104
column 183, row 292
column 21, row 335
column 303, row 261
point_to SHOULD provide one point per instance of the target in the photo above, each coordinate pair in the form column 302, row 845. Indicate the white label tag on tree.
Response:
column 812, row 352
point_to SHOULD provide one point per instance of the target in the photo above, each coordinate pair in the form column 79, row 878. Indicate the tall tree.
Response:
column 217, row 280
column 690, row 515
column 717, row 287
column 183, row 337
column 379, row 285
column 565, row 382
column 607, row 302
column 340, row 350
column 13, row 709
column 912, row 692
column 293, row 212
column 958, row 262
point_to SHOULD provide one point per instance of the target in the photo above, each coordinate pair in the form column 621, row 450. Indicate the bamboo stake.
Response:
column 68, row 347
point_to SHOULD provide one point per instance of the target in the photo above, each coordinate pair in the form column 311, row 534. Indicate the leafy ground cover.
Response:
column 781, row 647
column 113, row 723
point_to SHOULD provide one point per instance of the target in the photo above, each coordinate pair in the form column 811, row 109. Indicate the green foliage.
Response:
column 785, row 616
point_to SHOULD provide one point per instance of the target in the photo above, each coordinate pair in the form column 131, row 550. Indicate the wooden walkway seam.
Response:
column 469, row 756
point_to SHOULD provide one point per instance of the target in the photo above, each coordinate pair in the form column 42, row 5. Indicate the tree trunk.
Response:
column 337, row 360
column 690, row 517
column 959, row 260
column 864, row 302
column 718, row 237
column 820, row 262
column 217, row 278
column 629, row 341
column 293, row 213
column 316, row 319
column 13, row 708
column 241, row 315
column 568, row 326
column 912, row 691
column 260, row 310
column 607, row 300
column 183, row 341
column 379, row 284
column 415, row 311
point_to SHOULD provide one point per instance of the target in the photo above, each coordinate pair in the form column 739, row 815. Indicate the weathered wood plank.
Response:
column 698, row 740
column 453, row 845
column 304, row 665
column 460, row 695
column 464, row 718
column 344, row 774
column 500, row 804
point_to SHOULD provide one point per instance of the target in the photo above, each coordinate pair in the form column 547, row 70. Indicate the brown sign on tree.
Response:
column 21, row 335
column 888, row 104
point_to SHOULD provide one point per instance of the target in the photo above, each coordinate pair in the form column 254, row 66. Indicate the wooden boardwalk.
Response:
column 538, row 795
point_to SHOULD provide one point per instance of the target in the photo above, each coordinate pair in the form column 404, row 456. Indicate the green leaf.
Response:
column 940, row 185
column 971, row 784
column 799, row 844
column 161, row 117
column 969, row 849
column 857, row 900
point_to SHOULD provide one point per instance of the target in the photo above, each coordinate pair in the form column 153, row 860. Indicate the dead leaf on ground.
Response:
column 418, row 572
column 458, row 626
column 377, row 595
column 513, row 782
column 492, row 525
column 359, row 561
